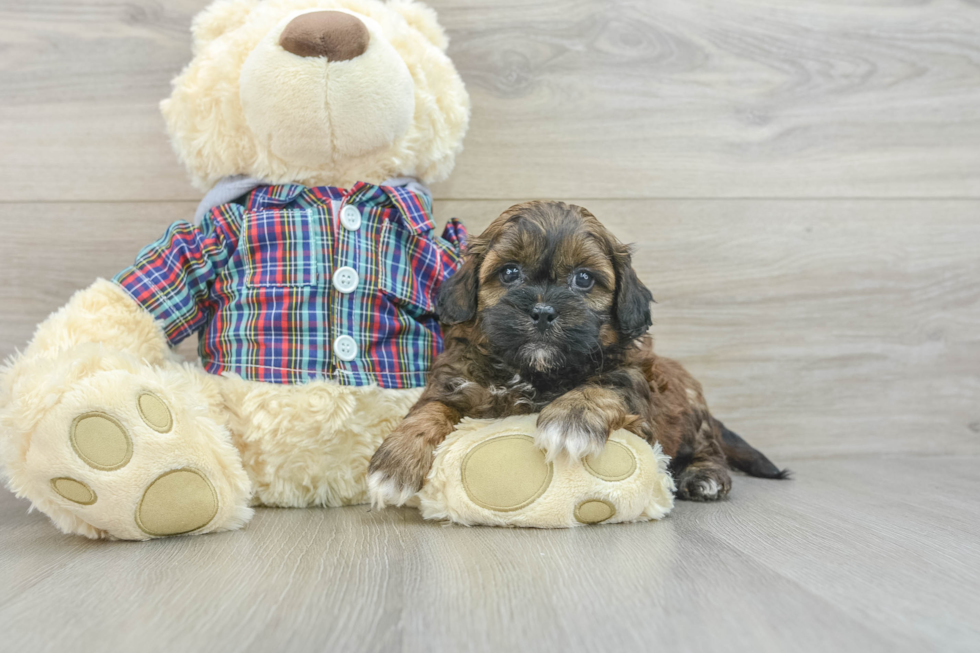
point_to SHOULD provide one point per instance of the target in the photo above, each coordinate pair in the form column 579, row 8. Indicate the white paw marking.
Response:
column 709, row 488
column 385, row 491
column 556, row 439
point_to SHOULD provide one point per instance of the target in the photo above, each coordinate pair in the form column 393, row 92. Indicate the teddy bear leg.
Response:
column 128, row 451
column 491, row 472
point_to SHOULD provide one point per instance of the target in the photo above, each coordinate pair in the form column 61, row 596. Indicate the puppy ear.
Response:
column 632, row 299
column 457, row 295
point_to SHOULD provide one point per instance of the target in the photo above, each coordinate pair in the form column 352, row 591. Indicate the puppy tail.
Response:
column 744, row 457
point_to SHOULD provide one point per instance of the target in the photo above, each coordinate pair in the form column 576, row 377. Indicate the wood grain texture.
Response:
column 677, row 98
column 699, row 99
column 854, row 555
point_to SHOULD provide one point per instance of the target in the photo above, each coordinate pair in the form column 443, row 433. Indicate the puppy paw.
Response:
column 396, row 472
column 576, row 432
column 703, row 484
column 385, row 490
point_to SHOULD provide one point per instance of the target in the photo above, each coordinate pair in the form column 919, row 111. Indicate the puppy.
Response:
column 546, row 315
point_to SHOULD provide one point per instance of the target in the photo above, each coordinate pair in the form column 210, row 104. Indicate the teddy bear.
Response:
column 308, row 273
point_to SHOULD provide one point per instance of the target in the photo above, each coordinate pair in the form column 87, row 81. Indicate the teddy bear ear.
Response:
column 424, row 19
column 219, row 17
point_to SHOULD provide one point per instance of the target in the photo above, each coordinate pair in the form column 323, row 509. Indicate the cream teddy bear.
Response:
column 309, row 274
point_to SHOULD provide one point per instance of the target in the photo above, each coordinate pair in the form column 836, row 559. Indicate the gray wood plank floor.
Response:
column 856, row 554
column 802, row 183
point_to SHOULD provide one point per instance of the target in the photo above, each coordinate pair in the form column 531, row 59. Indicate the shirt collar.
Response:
column 226, row 190
column 414, row 206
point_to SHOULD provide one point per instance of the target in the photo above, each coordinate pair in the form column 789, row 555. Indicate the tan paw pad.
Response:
column 155, row 413
column 101, row 441
column 506, row 473
column 615, row 463
column 177, row 502
column 594, row 511
column 73, row 490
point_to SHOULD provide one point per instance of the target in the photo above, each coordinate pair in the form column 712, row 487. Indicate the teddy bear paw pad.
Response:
column 615, row 463
column 177, row 502
column 506, row 473
column 74, row 491
column 594, row 511
column 101, row 441
column 154, row 412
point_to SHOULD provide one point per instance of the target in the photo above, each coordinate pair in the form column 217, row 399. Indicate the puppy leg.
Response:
column 579, row 422
column 400, row 465
column 699, row 467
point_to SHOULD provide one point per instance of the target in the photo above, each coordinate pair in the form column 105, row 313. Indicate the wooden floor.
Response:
column 802, row 182
column 856, row 554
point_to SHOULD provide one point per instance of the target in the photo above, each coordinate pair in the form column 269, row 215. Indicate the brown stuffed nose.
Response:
column 331, row 34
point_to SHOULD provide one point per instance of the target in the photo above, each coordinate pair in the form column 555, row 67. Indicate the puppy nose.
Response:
column 543, row 315
column 331, row 34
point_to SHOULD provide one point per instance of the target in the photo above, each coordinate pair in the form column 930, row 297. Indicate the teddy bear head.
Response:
column 317, row 92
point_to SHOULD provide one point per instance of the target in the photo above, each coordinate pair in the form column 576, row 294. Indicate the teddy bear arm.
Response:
column 154, row 303
column 102, row 313
column 100, row 328
column 147, row 308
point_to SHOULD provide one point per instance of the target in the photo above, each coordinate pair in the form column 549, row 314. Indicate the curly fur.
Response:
column 588, row 370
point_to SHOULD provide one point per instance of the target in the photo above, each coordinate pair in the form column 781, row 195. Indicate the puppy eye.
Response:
column 510, row 274
column 583, row 280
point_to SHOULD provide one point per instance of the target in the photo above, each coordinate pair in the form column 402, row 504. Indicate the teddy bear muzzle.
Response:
column 326, row 87
column 336, row 35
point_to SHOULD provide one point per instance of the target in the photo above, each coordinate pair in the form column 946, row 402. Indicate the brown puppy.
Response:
column 547, row 315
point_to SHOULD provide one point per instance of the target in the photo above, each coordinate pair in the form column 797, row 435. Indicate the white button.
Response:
column 350, row 217
column 345, row 347
column 345, row 279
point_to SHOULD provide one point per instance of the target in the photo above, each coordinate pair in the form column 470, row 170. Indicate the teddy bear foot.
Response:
column 493, row 473
column 129, row 457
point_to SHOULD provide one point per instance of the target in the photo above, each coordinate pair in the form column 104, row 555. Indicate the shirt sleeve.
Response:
column 172, row 277
column 454, row 235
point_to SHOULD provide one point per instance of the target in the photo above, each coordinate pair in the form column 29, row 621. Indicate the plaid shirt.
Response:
column 256, row 279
